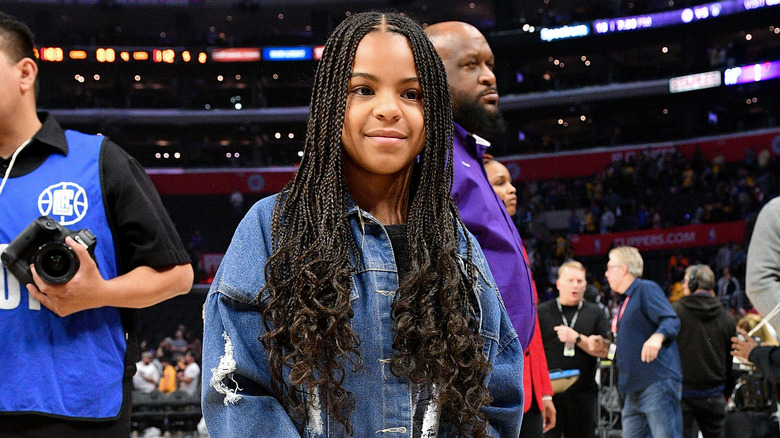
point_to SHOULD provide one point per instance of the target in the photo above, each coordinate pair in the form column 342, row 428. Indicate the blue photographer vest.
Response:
column 62, row 366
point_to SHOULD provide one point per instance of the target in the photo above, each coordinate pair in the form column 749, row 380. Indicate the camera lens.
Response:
column 56, row 263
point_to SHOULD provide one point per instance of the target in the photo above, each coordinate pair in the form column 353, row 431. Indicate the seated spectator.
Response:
column 179, row 343
column 181, row 364
column 189, row 379
column 164, row 348
column 194, row 344
column 642, row 218
column 590, row 222
column 656, row 218
column 147, row 375
column 607, row 220
column 575, row 223
column 723, row 256
column 676, row 289
column 168, row 379
column 678, row 262
column 688, row 177
column 728, row 290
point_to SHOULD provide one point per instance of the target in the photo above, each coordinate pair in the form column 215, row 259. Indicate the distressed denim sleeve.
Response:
column 505, row 414
column 237, row 399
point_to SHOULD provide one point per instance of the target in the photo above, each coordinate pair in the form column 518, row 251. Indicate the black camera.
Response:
column 43, row 243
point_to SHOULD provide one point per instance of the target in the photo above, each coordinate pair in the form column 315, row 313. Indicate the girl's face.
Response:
column 499, row 178
column 384, row 127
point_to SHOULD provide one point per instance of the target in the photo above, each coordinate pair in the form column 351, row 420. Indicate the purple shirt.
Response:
column 486, row 217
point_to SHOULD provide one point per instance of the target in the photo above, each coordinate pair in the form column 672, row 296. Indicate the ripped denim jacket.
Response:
column 384, row 402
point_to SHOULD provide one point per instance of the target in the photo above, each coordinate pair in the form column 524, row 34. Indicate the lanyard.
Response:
column 574, row 318
column 619, row 315
column 11, row 164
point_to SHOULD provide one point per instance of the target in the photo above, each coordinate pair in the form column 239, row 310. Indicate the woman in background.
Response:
column 539, row 414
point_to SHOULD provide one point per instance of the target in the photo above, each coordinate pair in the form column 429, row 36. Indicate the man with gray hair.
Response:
column 705, row 335
column 648, row 363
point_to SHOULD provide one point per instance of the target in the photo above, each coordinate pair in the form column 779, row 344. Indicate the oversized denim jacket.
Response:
column 238, row 399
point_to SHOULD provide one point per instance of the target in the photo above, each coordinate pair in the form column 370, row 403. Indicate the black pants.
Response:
column 576, row 414
column 709, row 413
column 532, row 426
column 750, row 424
column 38, row 426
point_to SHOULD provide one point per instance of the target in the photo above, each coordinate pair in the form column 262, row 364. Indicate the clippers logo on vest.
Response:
column 65, row 201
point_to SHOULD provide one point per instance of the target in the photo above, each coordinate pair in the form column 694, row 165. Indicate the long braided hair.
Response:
column 308, row 316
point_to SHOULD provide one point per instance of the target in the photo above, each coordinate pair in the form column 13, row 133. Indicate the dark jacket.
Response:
column 704, row 341
column 767, row 361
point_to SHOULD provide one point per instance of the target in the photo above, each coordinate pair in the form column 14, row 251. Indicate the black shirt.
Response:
column 590, row 321
column 400, row 243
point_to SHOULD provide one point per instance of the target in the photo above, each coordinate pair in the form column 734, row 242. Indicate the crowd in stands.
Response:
column 646, row 191
column 182, row 353
column 567, row 13
column 653, row 190
column 168, row 376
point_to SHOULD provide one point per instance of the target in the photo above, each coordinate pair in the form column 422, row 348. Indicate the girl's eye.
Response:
column 412, row 95
column 362, row 91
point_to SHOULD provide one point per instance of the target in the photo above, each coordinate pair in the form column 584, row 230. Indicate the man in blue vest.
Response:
column 68, row 351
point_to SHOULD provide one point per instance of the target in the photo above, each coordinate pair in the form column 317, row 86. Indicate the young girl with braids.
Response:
column 355, row 303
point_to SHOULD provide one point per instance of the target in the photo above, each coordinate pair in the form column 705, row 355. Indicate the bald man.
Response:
column 469, row 62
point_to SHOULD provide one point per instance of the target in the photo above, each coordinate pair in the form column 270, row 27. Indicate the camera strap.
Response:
column 766, row 319
column 11, row 164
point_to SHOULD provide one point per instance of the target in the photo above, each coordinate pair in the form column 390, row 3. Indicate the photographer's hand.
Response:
column 86, row 290
column 143, row 286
